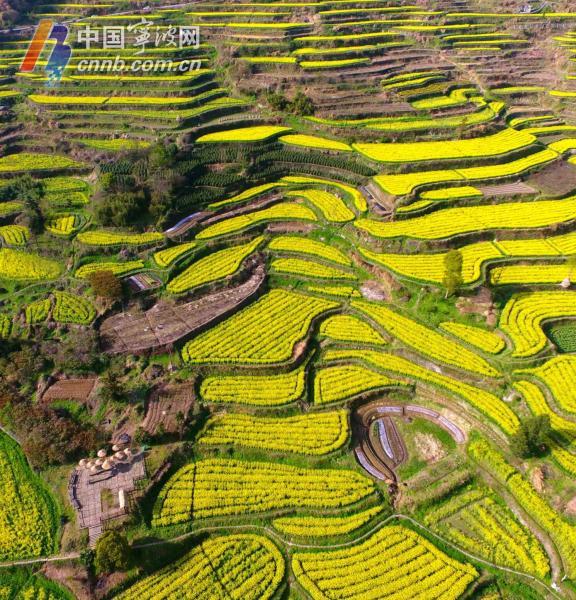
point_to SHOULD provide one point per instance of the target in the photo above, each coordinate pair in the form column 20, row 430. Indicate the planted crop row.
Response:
column 405, row 183
column 257, row 390
column 488, row 341
column 334, row 64
column 313, row 434
column 7, row 208
column 64, row 225
column 313, row 141
column 393, row 563
column 14, row 235
column 64, row 184
column 35, row 162
column 457, row 97
column 309, row 268
column 174, row 115
column 5, row 326
column 393, row 124
column 452, row 193
column 237, row 567
column 563, row 430
column 347, row 328
column 530, row 274
column 507, row 140
column 117, row 238
column 340, row 291
column 265, row 332
column 166, row 258
column 332, row 207
column 286, row 211
column 119, row 144
column 431, row 267
column 357, row 198
column 118, row 268
column 220, row 488
column 38, row 311
column 341, row 382
column 325, row 526
column 484, row 401
column 562, row 533
column 28, row 521
column 244, row 134
column 458, row 221
column 303, row 245
column 247, row 194
column 475, row 521
column 70, row 308
column 424, row 340
column 18, row 265
column 213, row 267
column 525, row 313
column 559, row 375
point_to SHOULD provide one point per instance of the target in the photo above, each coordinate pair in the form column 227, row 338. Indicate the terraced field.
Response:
column 307, row 273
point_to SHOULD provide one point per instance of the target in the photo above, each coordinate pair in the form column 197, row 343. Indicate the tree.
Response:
column 105, row 284
column 49, row 438
column 30, row 192
column 180, row 421
column 141, row 436
column 277, row 101
column 531, row 437
column 301, row 105
column 112, row 388
column 120, row 209
column 452, row 271
column 77, row 351
column 161, row 207
column 162, row 155
column 113, row 553
column 8, row 394
column 24, row 189
column 26, row 365
column 87, row 559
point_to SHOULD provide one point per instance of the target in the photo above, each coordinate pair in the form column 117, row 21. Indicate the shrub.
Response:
column 112, row 553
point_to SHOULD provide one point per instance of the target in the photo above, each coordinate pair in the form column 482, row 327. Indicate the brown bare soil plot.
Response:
column 557, row 179
column 165, row 324
column 164, row 405
column 507, row 189
column 70, row 389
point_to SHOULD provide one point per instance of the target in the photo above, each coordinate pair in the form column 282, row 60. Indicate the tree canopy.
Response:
column 531, row 437
column 113, row 553
column 105, row 284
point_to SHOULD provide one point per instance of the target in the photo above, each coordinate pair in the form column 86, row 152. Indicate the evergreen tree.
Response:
column 531, row 437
